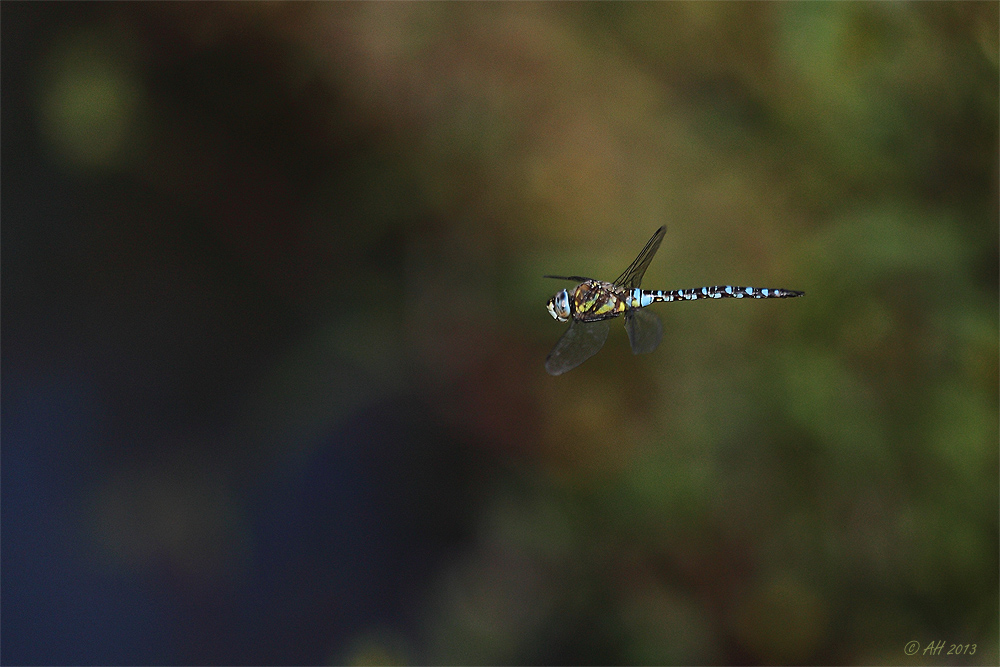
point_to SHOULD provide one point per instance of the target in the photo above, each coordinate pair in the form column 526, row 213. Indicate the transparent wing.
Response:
column 633, row 274
column 645, row 330
column 579, row 279
column 580, row 342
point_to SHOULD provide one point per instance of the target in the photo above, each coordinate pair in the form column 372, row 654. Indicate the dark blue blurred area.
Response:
column 60, row 605
column 336, row 546
column 351, row 540
column 342, row 544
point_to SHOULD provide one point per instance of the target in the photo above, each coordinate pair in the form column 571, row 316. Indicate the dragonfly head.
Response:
column 559, row 306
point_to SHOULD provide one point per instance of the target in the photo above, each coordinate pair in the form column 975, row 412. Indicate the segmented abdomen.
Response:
column 640, row 298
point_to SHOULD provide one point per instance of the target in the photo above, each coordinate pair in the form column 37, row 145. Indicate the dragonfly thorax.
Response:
column 558, row 306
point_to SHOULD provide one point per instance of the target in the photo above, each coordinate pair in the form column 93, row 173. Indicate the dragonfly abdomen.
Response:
column 641, row 298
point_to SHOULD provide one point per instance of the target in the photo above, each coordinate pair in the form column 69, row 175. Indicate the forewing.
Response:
column 579, row 279
column 580, row 342
column 633, row 274
column 645, row 330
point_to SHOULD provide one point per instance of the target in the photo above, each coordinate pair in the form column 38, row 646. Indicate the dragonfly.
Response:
column 592, row 304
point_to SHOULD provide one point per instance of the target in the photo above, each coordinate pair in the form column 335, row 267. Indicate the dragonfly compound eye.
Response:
column 558, row 306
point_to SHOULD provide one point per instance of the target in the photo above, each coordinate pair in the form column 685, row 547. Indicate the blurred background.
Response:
column 274, row 329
